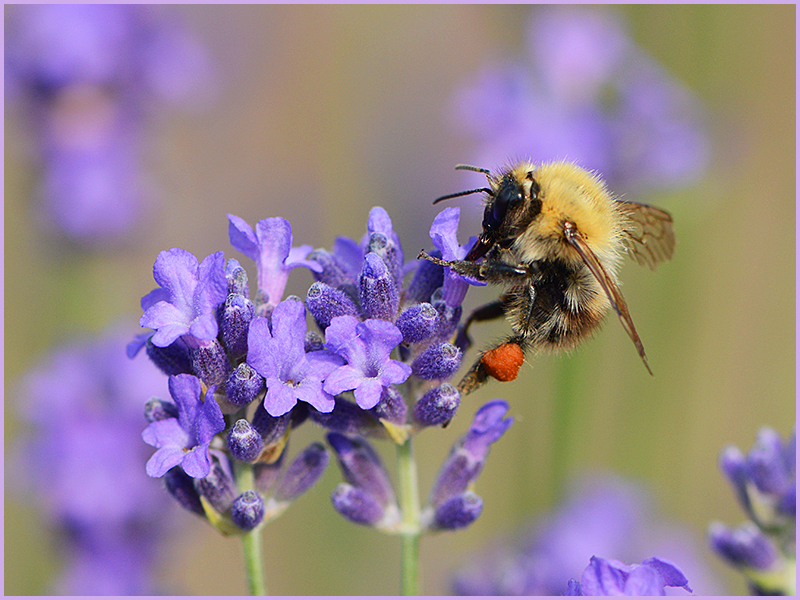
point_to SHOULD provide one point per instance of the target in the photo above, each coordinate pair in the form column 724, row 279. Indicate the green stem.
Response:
column 256, row 584
column 409, row 505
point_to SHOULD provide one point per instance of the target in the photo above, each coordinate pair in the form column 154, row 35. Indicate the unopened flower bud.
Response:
column 362, row 467
column 313, row 342
column 175, row 359
column 247, row 510
column 244, row 441
column 302, row 473
column 438, row 361
column 458, row 511
column 237, row 278
column 744, row 546
column 217, row 487
column 391, row 407
column 418, row 323
column 378, row 243
column 243, row 385
column 209, row 362
column 325, row 302
column 182, row 488
column 378, row 291
column 437, row 406
column 237, row 312
column 357, row 505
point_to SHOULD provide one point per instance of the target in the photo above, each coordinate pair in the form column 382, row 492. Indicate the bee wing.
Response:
column 649, row 236
column 609, row 286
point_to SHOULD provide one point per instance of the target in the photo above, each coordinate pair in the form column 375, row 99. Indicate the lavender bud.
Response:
column 384, row 247
column 362, row 467
column 244, row 441
column 302, row 473
column 378, row 291
column 237, row 312
column 271, row 428
column 449, row 317
column 244, row 384
column 217, row 487
column 237, row 278
column 181, row 487
column 325, row 302
column 247, row 510
column 765, row 463
column 418, row 323
column 357, row 505
column 210, row 363
column 172, row 360
column 158, row 410
column 458, row 512
column 438, row 361
column 313, row 342
column 744, row 546
column 391, row 407
column 437, row 406
column 427, row 279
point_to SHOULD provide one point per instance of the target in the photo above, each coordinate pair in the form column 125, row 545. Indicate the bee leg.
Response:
column 487, row 312
column 501, row 363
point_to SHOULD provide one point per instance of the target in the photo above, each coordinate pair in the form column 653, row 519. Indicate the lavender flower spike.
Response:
column 366, row 347
column 270, row 246
column 184, row 441
column 279, row 356
column 187, row 299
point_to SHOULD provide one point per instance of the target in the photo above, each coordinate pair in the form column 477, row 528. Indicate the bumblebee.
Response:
column 554, row 236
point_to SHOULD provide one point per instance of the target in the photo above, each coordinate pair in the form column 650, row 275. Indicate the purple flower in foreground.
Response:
column 603, row 516
column 366, row 347
column 279, row 356
column 188, row 297
column 613, row 578
column 270, row 246
column 184, row 441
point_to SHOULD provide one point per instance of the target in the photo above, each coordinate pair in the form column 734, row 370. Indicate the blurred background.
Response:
column 316, row 114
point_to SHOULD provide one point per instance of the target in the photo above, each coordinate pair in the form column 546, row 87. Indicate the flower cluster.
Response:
column 244, row 372
column 765, row 482
column 602, row 516
column 587, row 93
column 84, row 409
column 88, row 76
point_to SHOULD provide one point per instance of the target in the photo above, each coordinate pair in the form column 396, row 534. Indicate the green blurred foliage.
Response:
column 327, row 111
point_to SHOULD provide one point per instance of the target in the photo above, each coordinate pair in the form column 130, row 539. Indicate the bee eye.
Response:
column 508, row 195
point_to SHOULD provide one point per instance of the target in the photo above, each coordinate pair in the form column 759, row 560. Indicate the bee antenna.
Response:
column 486, row 172
column 465, row 193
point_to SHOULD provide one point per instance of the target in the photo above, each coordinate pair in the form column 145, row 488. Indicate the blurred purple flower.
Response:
column 184, row 440
column 613, row 578
column 765, row 483
column 90, row 76
column 188, row 297
column 366, row 347
column 270, row 246
column 279, row 356
column 82, row 465
column 603, row 516
column 586, row 93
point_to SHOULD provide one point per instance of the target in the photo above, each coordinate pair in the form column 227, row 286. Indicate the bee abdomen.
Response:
column 559, row 308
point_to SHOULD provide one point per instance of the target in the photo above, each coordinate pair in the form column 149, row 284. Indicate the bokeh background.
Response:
column 316, row 114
